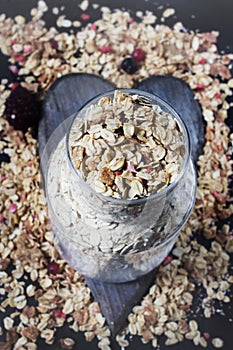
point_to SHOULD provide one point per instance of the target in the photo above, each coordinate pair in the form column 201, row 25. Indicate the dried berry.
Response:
column 218, row 95
column 85, row 16
column 203, row 60
column 167, row 260
column 53, row 44
column 59, row 313
column 53, row 268
column 200, row 87
column 106, row 49
column 13, row 208
column 19, row 57
column 13, row 68
column 14, row 85
column 206, row 335
column 129, row 65
column 22, row 109
column 139, row 55
column 27, row 48
column 78, row 53
column 93, row 26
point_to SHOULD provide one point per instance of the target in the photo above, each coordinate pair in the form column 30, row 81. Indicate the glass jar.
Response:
column 118, row 239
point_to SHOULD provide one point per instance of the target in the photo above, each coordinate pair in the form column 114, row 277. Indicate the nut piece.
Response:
column 107, row 176
column 31, row 333
column 29, row 311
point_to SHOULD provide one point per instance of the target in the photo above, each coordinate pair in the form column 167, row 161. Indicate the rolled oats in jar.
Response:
column 115, row 181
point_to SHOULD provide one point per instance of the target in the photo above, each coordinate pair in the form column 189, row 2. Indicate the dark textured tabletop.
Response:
column 201, row 15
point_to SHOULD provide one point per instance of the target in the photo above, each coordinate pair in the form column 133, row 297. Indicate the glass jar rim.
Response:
column 162, row 103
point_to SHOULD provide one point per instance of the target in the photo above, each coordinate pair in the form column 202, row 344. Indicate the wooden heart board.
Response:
column 66, row 96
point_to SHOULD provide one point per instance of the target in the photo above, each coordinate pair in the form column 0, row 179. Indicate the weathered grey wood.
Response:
column 117, row 299
column 63, row 99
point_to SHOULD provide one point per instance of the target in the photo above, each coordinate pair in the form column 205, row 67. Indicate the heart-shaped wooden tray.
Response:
column 65, row 97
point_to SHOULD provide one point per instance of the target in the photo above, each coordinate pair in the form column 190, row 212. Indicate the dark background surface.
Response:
column 202, row 15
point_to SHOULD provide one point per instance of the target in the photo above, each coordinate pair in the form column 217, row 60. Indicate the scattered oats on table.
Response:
column 46, row 54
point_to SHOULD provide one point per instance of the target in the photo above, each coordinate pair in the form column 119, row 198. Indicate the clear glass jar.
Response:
column 107, row 238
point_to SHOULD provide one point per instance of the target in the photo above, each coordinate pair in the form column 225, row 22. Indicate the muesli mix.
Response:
column 39, row 291
column 117, row 150
column 127, row 149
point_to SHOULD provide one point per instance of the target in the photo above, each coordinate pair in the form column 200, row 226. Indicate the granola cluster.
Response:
column 126, row 149
column 38, row 55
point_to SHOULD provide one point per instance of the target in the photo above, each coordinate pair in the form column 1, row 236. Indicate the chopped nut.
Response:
column 31, row 333
column 29, row 311
column 107, row 176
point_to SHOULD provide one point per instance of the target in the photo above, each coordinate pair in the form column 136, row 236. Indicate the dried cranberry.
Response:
column 200, row 87
column 203, row 60
column 53, row 268
column 167, row 260
column 106, row 49
column 19, row 57
column 218, row 95
column 129, row 65
column 53, row 44
column 14, row 69
column 13, row 208
column 93, row 26
column 14, row 85
column 85, row 16
column 139, row 55
column 206, row 335
column 59, row 313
